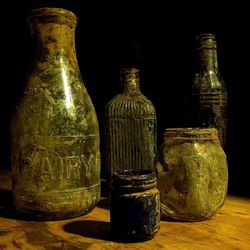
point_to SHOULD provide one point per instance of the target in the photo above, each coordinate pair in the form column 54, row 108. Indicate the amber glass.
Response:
column 54, row 132
column 130, row 127
column 192, row 173
column 209, row 92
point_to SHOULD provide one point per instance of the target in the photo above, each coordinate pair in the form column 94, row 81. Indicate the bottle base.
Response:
column 56, row 205
column 50, row 216
column 185, row 218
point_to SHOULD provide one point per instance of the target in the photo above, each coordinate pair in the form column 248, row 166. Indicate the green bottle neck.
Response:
column 207, row 52
column 207, row 59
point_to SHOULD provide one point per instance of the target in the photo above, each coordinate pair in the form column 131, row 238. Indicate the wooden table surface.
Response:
column 229, row 229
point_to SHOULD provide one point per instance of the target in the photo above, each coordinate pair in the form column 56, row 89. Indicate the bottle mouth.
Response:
column 53, row 15
column 128, row 74
column 205, row 36
column 129, row 70
column 205, row 41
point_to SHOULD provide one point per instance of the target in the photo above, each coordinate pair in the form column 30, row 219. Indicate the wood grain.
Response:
column 229, row 229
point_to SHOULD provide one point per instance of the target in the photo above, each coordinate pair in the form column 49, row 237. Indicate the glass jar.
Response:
column 192, row 173
column 135, row 205
column 55, row 152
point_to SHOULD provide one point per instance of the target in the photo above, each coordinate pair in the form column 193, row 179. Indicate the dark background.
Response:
column 158, row 38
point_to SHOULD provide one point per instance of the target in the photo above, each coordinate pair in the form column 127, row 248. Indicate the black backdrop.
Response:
column 158, row 38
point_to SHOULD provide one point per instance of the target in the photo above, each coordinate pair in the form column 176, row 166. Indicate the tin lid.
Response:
column 128, row 181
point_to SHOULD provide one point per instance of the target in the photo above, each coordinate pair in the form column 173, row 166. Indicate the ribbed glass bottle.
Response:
column 130, row 127
column 209, row 92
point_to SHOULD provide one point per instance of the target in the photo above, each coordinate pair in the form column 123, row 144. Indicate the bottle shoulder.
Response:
column 54, row 106
column 130, row 105
column 208, row 81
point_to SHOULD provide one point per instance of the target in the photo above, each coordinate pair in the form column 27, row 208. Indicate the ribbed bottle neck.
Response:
column 132, row 181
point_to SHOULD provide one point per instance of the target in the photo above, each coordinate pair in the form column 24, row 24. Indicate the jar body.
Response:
column 54, row 133
column 135, row 213
column 192, row 174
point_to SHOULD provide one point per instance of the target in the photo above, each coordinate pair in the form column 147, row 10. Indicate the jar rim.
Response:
column 191, row 133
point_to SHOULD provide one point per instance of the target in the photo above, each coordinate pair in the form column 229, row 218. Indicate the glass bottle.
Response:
column 209, row 92
column 54, row 132
column 192, row 174
column 130, row 127
column 135, row 205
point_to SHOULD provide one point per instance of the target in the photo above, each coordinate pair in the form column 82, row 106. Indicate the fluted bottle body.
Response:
column 209, row 92
column 130, row 127
column 54, row 133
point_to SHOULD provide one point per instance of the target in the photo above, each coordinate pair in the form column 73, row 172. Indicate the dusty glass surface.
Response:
column 192, row 173
column 54, row 133
column 209, row 92
column 130, row 127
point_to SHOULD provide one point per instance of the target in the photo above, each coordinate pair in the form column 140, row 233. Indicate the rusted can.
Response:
column 192, row 173
column 135, row 205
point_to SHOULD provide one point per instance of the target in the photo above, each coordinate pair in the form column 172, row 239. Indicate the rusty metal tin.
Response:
column 135, row 205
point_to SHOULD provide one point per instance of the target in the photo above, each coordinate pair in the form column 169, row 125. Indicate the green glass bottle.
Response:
column 130, row 127
column 55, row 152
column 209, row 92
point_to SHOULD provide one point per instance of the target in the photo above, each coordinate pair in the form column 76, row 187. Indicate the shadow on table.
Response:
column 7, row 209
column 90, row 228
column 95, row 229
column 104, row 203
column 6, row 204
